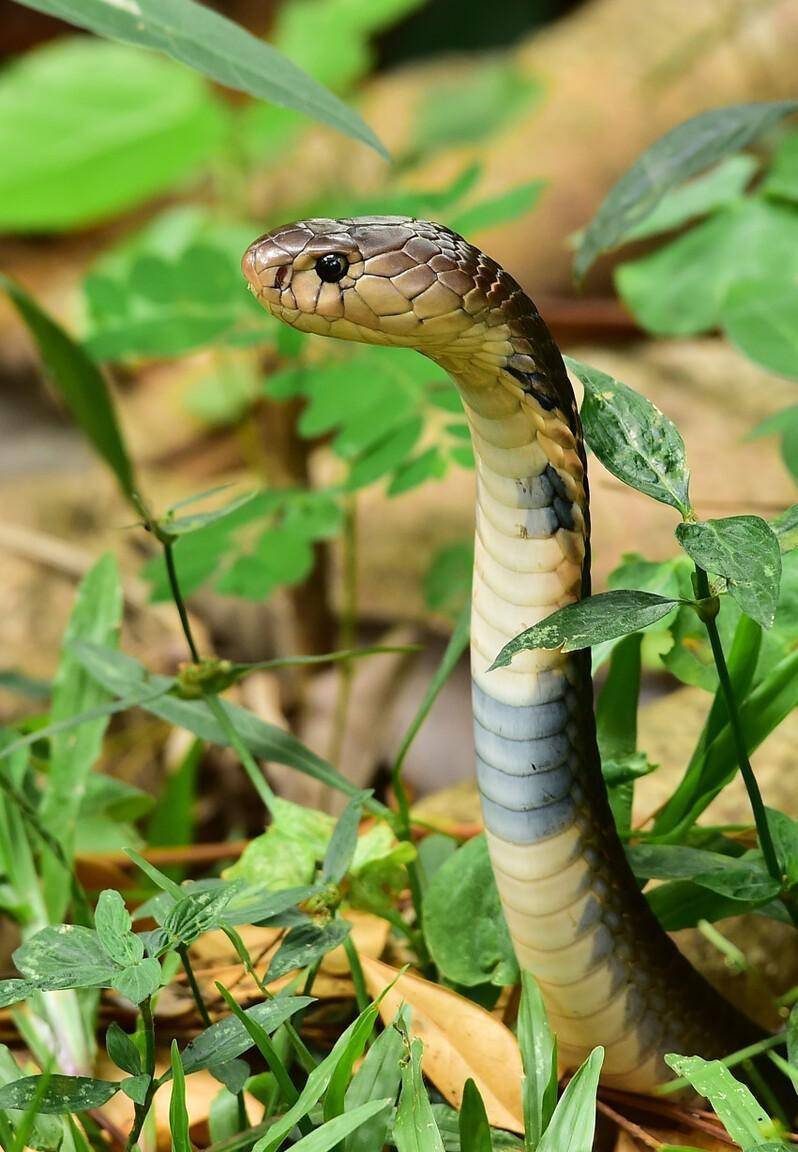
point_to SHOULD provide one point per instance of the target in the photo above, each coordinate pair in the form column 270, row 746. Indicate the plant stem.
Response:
column 751, row 784
column 347, row 633
column 141, row 1110
column 194, row 986
column 245, row 756
column 361, row 994
column 177, row 596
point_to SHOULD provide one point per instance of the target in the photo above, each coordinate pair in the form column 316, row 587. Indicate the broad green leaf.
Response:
column 137, row 982
column 447, row 581
column 332, row 1132
column 590, row 621
column 428, row 465
column 197, row 913
column 737, row 878
column 61, row 1094
column 784, row 831
column 759, row 317
column 80, row 384
column 414, row 1129
column 120, row 673
column 228, row 1039
column 43, row 1133
column 122, row 1050
column 719, row 187
column 318, row 1080
column 65, row 956
column 385, row 455
column 113, row 924
column 690, row 659
column 573, row 1124
column 86, row 133
column 216, row 47
column 632, row 438
column 680, row 288
column 12, row 991
column 305, row 944
column 280, row 556
column 178, row 1112
column 744, row 550
column 497, row 210
column 539, row 1055
column 378, row 1077
column 474, row 1126
column 683, row 152
column 288, row 851
column 743, row 1118
column 464, row 925
column 786, row 529
column 136, row 1088
column 343, row 842
column 679, row 904
column 782, row 179
column 96, row 617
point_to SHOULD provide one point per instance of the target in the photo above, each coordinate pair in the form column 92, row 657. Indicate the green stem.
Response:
column 245, row 756
column 358, row 979
column 141, row 1110
column 177, row 596
column 751, row 784
column 194, row 986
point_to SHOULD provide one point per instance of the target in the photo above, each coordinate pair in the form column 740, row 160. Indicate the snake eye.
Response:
column 332, row 267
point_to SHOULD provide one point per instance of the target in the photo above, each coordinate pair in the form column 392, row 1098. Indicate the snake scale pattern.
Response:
column 608, row 973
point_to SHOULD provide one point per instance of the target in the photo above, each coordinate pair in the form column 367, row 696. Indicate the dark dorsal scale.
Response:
column 534, row 385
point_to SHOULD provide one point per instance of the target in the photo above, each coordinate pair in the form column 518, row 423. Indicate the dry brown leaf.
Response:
column 461, row 1040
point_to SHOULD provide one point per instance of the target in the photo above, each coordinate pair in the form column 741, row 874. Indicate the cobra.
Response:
column 608, row 973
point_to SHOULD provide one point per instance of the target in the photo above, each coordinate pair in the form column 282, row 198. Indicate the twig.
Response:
column 629, row 1126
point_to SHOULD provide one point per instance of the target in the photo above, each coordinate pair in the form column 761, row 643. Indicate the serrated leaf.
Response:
column 590, row 621
column 464, row 923
column 216, row 47
column 632, row 438
column 683, row 152
column 745, row 551
column 62, row 1094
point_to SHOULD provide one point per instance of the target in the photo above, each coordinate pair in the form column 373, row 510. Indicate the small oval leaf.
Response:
column 745, row 550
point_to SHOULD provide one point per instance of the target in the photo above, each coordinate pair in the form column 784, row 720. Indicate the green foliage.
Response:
column 745, row 551
column 55, row 1095
column 685, row 151
column 744, row 1119
column 86, row 133
column 414, row 1129
column 464, row 924
column 539, row 1055
column 212, row 45
column 573, row 1123
column 378, row 1077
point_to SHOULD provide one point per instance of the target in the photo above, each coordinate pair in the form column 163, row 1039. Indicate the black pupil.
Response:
column 332, row 267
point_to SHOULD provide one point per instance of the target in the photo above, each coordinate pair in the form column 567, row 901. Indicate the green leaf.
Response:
column 196, row 913
column 65, row 956
column 782, row 179
column 216, row 47
column 343, row 841
column 737, row 878
column 120, row 673
column 497, row 210
column 474, row 1126
column 178, row 1112
column 287, row 853
column 539, row 1056
column 464, row 925
column 335, row 1096
column 632, row 438
column 745, row 551
column 759, row 317
column 122, row 1050
column 136, row 1088
column 448, row 1122
column 80, row 383
column 428, row 465
column 414, row 1128
column 62, row 1093
column 113, row 924
column 447, row 581
column 137, row 982
column 792, row 1036
column 785, row 527
column 573, row 1124
column 784, row 831
column 331, row 1133
column 86, row 135
column 378, row 1077
column 96, row 616
column 228, row 1039
column 590, row 621
column 743, row 1118
column 305, row 944
column 680, row 288
column 318, row 1080
column 616, row 729
column 386, row 454
column 702, row 196
column 683, row 152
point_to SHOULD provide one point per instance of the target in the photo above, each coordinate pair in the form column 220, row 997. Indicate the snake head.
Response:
column 374, row 279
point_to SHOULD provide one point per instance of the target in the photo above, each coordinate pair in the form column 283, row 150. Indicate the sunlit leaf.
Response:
column 743, row 1117
column 759, row 317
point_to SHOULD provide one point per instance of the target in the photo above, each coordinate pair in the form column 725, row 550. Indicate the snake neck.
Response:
column 608, row 973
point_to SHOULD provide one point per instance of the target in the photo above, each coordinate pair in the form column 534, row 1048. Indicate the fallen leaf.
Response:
column 461, row 1040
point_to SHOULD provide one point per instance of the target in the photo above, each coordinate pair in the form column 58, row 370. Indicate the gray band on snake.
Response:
column 608, row 973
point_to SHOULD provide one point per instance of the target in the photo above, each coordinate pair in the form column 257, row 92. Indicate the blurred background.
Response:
column 129, row 188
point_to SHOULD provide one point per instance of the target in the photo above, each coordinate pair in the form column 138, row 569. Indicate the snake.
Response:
column 608, row 973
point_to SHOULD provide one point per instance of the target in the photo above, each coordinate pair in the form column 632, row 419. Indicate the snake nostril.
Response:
column 280, row 275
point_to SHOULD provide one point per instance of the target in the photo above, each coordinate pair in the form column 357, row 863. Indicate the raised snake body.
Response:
column 608, row 973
